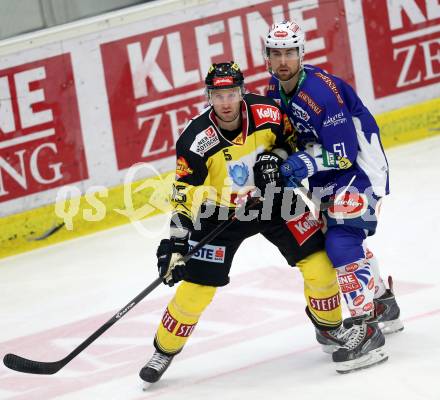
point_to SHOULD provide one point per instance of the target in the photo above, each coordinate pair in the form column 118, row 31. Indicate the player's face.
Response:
column 284, row 62
column 226, row 103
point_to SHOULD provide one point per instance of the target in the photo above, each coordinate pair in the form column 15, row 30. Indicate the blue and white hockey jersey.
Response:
column 335, row 128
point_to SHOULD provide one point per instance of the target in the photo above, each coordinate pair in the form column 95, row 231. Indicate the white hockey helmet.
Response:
column 286, row 35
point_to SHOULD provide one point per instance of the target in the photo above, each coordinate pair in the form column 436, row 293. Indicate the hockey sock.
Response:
column 357, row 286
column 181, row 316
column 321, row 291
column 380, row 287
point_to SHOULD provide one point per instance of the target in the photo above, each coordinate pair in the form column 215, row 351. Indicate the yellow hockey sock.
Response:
column 182, row 315
column 321, row 290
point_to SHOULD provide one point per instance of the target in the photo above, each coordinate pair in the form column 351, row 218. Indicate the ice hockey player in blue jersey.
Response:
column 340, row 152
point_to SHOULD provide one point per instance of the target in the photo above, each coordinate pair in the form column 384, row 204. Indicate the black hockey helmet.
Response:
column 224, row 76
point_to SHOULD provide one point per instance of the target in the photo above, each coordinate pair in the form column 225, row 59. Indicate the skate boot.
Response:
column 363, row 348
column 155, row 368
column 387, row 311
column 332, row 339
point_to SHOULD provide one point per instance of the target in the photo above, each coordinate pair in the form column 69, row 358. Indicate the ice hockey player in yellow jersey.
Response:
column 231, row 149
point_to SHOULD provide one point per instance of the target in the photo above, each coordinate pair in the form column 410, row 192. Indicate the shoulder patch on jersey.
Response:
column 182, row 168
column 310, row 102
column 205, row 141
column 265, row 113
column 332, row 85
column 299, row 112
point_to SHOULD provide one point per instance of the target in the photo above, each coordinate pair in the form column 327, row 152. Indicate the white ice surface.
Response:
column 254, row 341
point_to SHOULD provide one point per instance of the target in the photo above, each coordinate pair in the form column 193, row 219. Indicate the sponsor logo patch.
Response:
column 371, row 284
column 368, row 254
column 224, row 81
column 351, row 205
column 239, row 173
column 168, row 322
column 348, row 282
column 304, row 226
column 329, row 82
column 185, row 330
column 368, row 307
column 352, row 267
column 358, row 300
column 299, row 112
column 337, row 119
column 210, row 253
column 327, row 304
column 265, row 113
column 205, row 141
column 280, row 34
column 310, row 102
column 288, row 128
column 182, row 168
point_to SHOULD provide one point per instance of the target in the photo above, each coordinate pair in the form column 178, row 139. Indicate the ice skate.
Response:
column 332, row 339
column 387, row 311
column 155, row 368
column 363, row 348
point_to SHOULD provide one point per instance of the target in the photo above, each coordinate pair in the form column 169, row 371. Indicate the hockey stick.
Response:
column 22, row 364
column 296, row 184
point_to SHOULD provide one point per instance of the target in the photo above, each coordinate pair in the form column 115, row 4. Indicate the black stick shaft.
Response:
column 22, row 364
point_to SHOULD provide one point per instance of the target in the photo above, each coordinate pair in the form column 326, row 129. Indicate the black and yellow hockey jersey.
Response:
column 214, row 168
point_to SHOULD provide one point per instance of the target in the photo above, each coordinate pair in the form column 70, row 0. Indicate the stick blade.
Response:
column 21, row 364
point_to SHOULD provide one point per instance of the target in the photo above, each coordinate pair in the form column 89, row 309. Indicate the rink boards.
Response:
column 84, row 103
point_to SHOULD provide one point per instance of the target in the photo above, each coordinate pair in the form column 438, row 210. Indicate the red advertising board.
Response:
column 403, row 39
column 155, row 80
column 40, row 138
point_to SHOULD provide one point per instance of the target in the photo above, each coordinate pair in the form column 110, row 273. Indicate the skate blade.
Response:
column 389, row 327
column 146, row 386
column 329, row 348
column 374, row 357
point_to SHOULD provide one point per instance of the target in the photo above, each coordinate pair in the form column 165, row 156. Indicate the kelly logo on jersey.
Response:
column 265, row 113
column 210, row 253
column 304, row 226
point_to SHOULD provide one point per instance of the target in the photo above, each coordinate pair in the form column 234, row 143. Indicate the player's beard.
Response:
column 232, row 120
column 291, row 76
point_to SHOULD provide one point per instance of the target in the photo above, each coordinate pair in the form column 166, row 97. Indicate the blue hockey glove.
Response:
column 297, row 167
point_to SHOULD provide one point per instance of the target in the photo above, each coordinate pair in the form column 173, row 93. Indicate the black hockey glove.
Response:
column 169, row 259
column 267, row 171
